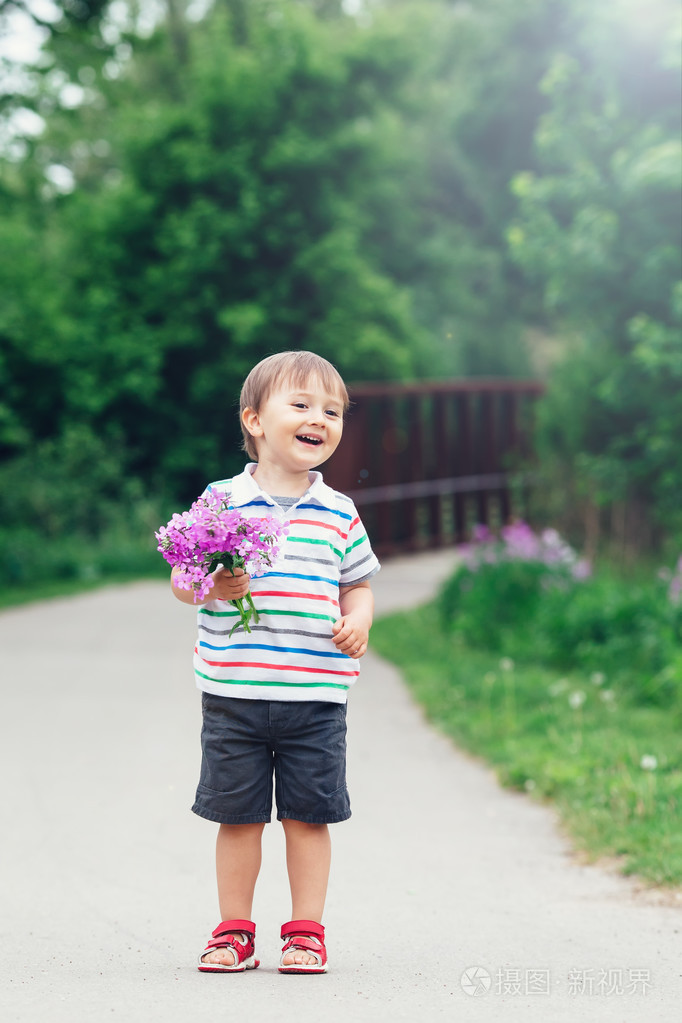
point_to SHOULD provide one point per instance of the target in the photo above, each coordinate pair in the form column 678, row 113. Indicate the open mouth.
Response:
column 306, row 438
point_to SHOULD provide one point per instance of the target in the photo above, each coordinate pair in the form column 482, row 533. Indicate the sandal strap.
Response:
column 303, row 928
column 227, row 941
column 232, row 926
column 304, row 944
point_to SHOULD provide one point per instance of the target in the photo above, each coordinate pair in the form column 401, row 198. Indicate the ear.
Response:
column 252, row 422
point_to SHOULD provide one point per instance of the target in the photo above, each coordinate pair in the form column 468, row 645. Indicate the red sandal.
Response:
column 307, row 936
column 229, row 934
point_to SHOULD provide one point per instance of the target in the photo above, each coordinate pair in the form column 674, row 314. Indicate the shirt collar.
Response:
column 245, row 489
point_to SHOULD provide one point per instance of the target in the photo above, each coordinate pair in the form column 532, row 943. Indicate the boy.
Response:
column 276, row 698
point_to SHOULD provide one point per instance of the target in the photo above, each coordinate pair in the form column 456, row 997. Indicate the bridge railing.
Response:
column 426, row 461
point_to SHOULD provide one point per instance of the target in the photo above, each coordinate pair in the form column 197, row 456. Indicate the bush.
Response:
column 529, row 597
column 497, row 592
column 628, row 633
column 491, row 607
column 28, row 558
column 71, row 510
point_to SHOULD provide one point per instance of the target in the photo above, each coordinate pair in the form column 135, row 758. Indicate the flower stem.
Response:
column 244, row 616
column 253, row 607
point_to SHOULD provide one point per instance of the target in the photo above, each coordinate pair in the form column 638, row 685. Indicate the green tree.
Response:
column 207, row 233
column 599, row 228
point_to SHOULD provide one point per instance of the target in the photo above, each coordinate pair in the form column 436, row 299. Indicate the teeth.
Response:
column 314, row 440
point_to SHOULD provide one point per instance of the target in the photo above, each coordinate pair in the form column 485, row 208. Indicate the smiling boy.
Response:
column 274, row 700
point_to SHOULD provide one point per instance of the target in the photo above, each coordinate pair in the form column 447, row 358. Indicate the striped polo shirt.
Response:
column 289, row 654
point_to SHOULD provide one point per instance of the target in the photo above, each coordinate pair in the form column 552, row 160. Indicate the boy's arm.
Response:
column 351, row 631
column 225, row 587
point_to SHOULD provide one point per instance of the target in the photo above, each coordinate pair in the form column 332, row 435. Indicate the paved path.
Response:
column 107, row 880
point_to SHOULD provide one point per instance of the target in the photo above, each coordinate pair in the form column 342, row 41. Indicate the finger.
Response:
column 225, row 575
column 231, row 589
column 347, row 645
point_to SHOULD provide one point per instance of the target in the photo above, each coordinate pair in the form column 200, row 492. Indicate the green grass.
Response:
column 584, row 752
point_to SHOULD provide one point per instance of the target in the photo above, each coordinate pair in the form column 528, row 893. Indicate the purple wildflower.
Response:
column 582, row 569
column 518, row 542
column 521, row 542
column 481, row 534
column 211, row 534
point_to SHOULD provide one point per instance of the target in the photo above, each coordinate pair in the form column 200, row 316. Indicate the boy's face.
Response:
column 297, row 428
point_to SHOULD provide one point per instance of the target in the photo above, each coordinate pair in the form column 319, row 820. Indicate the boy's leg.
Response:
column 238, row 860
column 308, row 863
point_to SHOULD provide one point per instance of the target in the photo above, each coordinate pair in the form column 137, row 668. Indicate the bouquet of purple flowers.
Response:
column 212, row 534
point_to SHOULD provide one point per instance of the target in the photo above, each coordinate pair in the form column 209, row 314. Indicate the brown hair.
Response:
column 296, row 368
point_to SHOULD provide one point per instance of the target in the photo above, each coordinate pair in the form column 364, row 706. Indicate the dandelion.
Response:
column 607, row 695
column 558, row 687
column 675, row 587
column 598, row 678
column 506, row 664
column 648, row 762
column 489, row 680
column 576, row 699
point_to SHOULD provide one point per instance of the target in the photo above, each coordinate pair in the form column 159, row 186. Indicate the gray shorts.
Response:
column 245, row 742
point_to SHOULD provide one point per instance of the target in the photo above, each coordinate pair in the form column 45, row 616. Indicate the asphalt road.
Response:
column 450, row 898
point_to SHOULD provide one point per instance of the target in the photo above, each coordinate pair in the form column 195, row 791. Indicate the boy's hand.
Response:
column 351, row 634
column 227, row 586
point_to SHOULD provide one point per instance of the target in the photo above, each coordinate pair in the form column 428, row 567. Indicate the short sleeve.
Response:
column 360, row 562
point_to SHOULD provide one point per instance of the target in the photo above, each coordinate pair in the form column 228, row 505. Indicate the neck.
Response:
column 275, row 481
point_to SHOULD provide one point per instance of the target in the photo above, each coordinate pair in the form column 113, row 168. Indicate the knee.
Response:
column 240, row 831
column 292, row 826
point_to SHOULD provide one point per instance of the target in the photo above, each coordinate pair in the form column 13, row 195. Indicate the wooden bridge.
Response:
column 425, row 461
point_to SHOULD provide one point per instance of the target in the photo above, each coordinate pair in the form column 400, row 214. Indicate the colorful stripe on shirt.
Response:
column 297, row 599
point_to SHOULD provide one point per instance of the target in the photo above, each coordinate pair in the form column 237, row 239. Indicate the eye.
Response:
column 332, row 412
column 299, row 404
